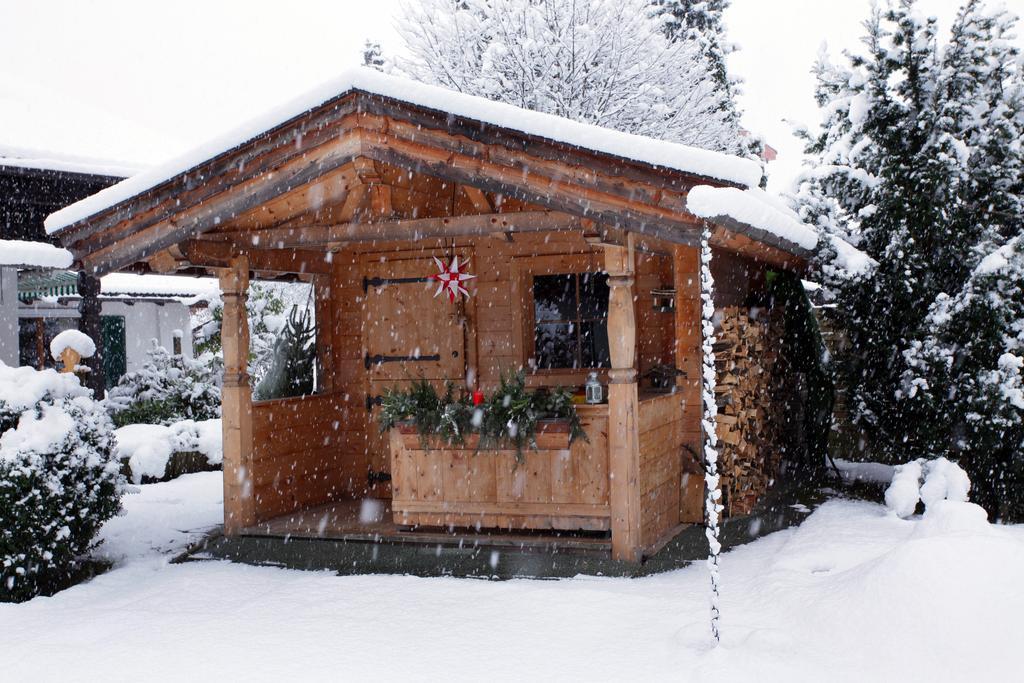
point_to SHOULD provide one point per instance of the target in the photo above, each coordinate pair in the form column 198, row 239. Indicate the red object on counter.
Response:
column 478, row 397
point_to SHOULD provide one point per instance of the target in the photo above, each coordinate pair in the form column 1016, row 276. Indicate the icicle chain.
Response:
column 712, row 504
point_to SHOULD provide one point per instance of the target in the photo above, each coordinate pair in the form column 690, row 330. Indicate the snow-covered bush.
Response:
column 168, row 388
column 59, row 481
column 148, row 448
column 928, row 482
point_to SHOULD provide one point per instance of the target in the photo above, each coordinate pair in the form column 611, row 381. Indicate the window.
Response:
column 115, row 359
column 570, row 313
column 34, row 337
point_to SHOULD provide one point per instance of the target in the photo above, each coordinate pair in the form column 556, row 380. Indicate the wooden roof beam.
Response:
column 477, row 198
column 556, row 192
column 129, row 245
column 219, row 255
column 408, row 229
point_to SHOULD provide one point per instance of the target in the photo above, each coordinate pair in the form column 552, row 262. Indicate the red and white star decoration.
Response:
column 451, row 277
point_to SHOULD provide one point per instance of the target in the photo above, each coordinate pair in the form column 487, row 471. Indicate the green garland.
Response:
column 509, row 416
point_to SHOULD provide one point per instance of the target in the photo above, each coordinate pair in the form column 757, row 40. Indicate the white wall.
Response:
column 145, row 321
column 9, row 316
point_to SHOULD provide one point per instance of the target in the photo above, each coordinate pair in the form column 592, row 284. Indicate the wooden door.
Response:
column 408, row 334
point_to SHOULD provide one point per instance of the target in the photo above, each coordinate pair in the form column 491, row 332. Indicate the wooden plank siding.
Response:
column 317, row 449
column 661, row 439
column 557, row 486
column 306, row 452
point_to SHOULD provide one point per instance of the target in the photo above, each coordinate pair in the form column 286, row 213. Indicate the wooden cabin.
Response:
column 585, row 259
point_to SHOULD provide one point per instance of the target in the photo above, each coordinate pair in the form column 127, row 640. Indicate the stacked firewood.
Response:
column 749, row 407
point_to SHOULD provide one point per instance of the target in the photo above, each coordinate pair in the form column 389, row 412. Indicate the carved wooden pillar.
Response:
column 91, row 324
column 236, row 400
column 623, row 406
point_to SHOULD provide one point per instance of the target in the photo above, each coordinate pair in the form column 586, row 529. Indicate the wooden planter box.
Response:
column 551, row 435
column 557, row 486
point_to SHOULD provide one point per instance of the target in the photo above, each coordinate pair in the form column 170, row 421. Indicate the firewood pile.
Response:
column 749, row 408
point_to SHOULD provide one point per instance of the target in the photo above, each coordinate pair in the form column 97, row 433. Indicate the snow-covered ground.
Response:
column 853, row 594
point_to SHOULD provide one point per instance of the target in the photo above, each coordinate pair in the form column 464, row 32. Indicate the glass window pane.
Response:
column 594, row 341
column 593, row 295
column 554, row 297
column 115, row 360
column 555, row 345
column 28, row 344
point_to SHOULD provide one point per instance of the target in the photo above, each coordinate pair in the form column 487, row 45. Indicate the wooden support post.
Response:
column 623, row 406
column 91, row 324
column 236, row 400
column 686, row 269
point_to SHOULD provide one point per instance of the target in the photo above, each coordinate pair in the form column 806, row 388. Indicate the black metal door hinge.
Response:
column 378, row 359
column 381, row 281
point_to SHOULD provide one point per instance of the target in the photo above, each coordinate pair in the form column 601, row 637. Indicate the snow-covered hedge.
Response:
column 167, row 389
column 59, row 481
column 148, row 448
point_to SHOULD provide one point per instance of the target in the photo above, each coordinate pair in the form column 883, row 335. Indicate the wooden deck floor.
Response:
column 369, row 520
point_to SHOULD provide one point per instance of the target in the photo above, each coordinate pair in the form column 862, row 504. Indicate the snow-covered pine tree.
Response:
column 963, row 377
column 919, row 164
column 700, row 22
column 292, row 370
column 967, row 377
column 875, row 182
column 373, row 55
column 606, row 62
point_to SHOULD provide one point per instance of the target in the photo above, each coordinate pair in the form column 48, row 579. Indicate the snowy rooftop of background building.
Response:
column 28, row 158
column 174, row 286
column 43, row 129
column 647, row 150
column 23, row 254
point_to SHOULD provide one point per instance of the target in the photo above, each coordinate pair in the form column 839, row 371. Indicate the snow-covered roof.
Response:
column 40, row 128
column 28, row 158
column 752, row 207
column 691, row 160
column 173, row 286
column 33, row 255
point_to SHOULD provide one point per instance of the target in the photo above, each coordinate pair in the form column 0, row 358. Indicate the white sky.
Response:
column 189, row 69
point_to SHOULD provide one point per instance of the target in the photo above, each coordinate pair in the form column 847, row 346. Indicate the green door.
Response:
column 115, row 362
